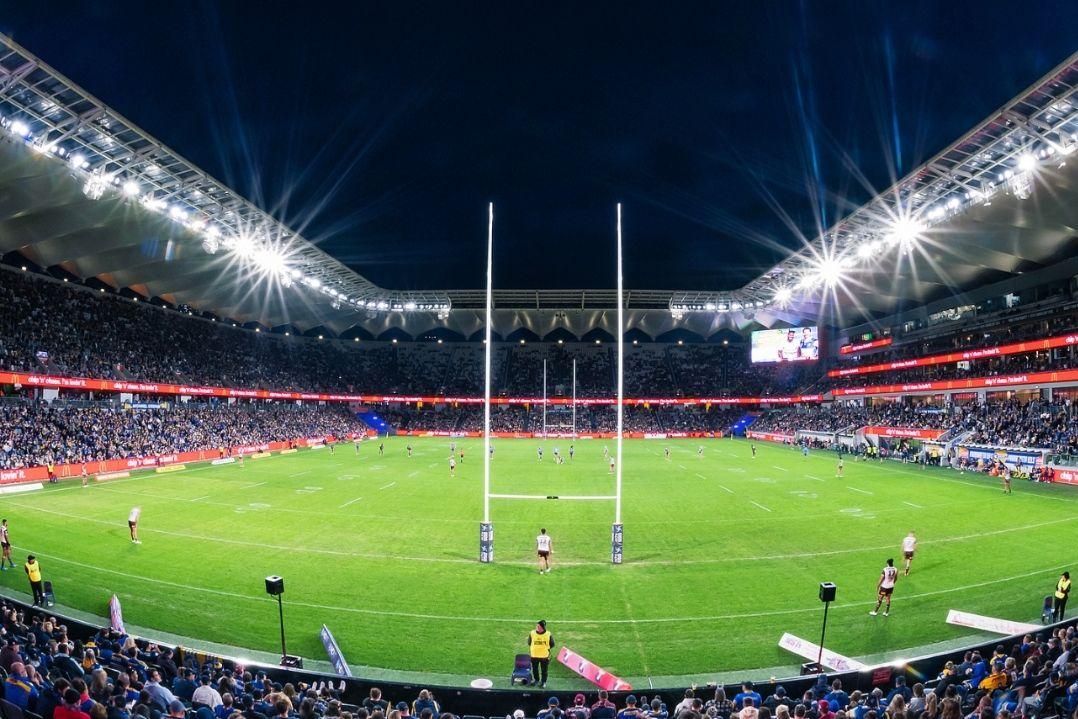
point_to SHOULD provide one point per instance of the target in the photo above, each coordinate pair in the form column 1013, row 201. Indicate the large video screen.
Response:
column 796, row 344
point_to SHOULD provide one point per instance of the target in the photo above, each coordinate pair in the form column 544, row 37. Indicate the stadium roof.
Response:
column 83, row 188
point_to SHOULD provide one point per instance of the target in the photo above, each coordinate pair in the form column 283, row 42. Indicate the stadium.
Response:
column 242, row 479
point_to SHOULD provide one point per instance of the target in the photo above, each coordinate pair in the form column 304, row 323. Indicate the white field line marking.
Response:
column 555, row 496
column 636, row 632
column 983, row 485
column 701, row 476
column 814, row 477
column 760, row 506
column 911, row 504
column 352, row 501
column 682, row 466
column 447, row 560
column 862, row 491
column 726, row 488
column 518, row 620
column 413, row 474
column 387, row 486
column 252, row 486
column 199, row 499
column 300, row 474
column 781, row 469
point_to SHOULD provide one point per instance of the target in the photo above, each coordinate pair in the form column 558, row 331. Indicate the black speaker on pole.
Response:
column 274, row 586
column 827, row 591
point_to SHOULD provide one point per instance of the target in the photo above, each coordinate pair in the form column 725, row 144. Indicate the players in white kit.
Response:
column 909, row 546
column 885, row 588
column 544, row 547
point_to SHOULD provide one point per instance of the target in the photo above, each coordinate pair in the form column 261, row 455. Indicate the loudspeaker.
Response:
column 827, row 591
column 292, row 661
column 811, row 668
column 275, row 585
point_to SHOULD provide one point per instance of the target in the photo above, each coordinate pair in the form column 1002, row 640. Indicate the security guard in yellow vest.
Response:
column 33, row 572
column 1059, row 601
column 540, row 642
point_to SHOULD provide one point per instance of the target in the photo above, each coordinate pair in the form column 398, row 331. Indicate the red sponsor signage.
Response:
column 906, row 432
column 592, row 672
column 983, row 353
column 1014, row 380
column 1065, row 476
column 862, row 346
column 771, row 436
column 106, row 385
column 38, row 474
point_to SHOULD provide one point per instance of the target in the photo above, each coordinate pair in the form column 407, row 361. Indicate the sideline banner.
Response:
column 592, row 672
column 862, row 346
column 963, row 356
column 336, row 657
column 904, row 432
column 990, row 624
column 116, row 615
column 770, row 436
column 1002, row 381
column 107, row 385
column 808, row 650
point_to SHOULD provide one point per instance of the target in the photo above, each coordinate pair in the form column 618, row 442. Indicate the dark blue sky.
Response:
column 381, row 130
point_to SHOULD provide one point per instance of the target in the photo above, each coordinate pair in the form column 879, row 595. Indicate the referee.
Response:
column 540, row 642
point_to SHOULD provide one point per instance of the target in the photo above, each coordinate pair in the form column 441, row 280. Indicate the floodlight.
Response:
column 905, row 231
column 20, row 128
column 78, row 160
column 176, row 213
column 866, row 250
column 245, row 246
column 210, row 245
column 783, row 295
column 409, row 305
column 130, row 188
column 272, row 261
column 1027, row 162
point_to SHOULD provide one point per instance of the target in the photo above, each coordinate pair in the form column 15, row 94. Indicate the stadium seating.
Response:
column 54, row 668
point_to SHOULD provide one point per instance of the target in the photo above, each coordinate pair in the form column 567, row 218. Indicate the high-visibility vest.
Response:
column 33, row 569
column 1063, row 588
column 539, row 645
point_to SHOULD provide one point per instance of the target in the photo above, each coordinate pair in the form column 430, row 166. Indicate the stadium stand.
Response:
column 58, row 668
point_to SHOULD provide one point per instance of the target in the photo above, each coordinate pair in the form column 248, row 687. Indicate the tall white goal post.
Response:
column 486, row 527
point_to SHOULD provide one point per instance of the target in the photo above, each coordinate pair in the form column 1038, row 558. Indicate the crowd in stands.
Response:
column 1003, row 332
column 50, row 674
column 37, row 433
column 1003, row 422
column 60, row 328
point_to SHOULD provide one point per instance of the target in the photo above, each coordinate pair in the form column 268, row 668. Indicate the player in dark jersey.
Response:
column 753, row 448
column 409, row 448
column 885, row 588
column 381, row 448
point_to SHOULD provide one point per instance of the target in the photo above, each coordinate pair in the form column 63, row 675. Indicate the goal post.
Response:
column 617, row 530
column 486, row 527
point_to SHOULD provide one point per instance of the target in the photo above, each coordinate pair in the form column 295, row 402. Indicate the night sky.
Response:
column 380, row 131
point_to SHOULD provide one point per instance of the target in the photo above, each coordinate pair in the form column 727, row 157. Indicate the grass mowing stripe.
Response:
column 364, row 561
column 630, row 563
column 524, row 620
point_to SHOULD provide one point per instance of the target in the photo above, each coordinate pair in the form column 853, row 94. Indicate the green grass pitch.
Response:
column 723, row 554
